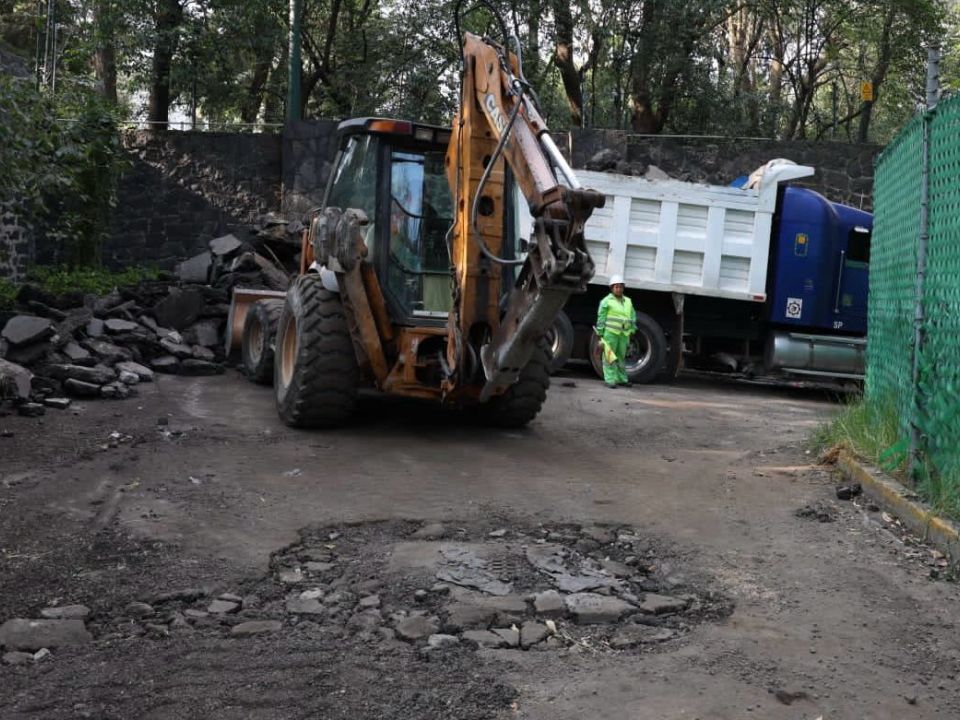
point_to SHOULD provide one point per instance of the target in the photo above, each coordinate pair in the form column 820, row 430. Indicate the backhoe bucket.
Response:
column 239, row 305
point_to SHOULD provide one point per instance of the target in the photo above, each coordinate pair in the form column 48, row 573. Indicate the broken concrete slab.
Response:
column 549, row 604
column 305, row 606
column 95, row 328
column 595, row 609
column 464, row 566
column 552, row 560
column 23, row 330
column 603, row 536
column 139, row 609
column 484, row 638
column 176, row 349
column 222, row 607
column 441, row 641
column 204, row 332
column 129, row 378
column 255, row 627
column 180, row 308
column 225, row 245
column 29, row 354
column 31, row 410
column 166, row 364
column 66, row 612
column 25, row 634
column 195, row 269
column 531, row 633
column 196, row 367
column 15, row 380
column 115, row 326
column 433, row 531
column 107, row 352
column 655, row 604
column 115, row 390
column 655, row 173
column 57, row 403
column 511, row 636
column 97, row 375
column 77, row 354
column 78, row 388
column 632, row 635
column 15, row 657
column 202, row 353
column 144, row 374
column 416, row 628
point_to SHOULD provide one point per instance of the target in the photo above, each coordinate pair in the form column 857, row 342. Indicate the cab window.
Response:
column 421, row 213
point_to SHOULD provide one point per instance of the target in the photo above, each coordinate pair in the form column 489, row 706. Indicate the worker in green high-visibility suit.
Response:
column 616, row 322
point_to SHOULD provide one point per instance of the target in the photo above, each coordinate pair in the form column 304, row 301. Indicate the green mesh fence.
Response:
column 934, row 405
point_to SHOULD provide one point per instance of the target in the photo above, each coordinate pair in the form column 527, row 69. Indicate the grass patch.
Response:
column 8, row 291
column 868, row 429
column 871, row 430
column 61, row 280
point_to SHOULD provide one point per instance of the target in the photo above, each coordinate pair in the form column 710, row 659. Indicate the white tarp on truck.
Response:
column 688, row 238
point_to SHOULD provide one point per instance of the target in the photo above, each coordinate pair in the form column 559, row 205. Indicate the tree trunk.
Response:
column 105, row 55
column 168, row 16
column 885, row 53
column 563, row 59
column 254, row 98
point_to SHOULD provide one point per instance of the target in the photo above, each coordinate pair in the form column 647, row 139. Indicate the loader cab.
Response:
column 395, row 172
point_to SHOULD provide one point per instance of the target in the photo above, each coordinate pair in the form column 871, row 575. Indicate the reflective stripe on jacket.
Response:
column 617, row 315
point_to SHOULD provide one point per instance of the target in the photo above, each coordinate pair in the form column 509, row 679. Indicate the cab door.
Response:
column 853, row 281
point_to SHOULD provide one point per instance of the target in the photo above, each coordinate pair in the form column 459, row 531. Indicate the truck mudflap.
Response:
column 819, row 355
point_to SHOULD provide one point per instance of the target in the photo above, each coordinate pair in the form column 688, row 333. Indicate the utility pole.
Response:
column 293, row 64
column 919, row 314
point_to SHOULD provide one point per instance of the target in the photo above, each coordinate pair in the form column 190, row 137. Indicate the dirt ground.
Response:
column 194, row 489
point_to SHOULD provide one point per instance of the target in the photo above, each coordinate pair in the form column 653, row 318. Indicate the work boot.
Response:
column 612, row 386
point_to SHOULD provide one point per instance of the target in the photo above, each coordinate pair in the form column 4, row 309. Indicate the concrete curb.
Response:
column 902, row 502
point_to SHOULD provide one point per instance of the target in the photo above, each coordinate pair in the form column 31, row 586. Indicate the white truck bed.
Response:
column 683, row 237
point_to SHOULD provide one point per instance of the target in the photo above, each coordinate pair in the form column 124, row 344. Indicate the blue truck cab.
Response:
column 819, row 269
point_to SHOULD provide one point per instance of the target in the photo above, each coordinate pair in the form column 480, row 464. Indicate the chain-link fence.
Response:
column 913, row 350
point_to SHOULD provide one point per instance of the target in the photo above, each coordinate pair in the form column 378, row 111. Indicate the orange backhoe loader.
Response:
column 413, row 279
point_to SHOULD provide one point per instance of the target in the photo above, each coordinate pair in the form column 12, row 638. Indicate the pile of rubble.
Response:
column 57, row 347
column 432, row 586
column 609, row 160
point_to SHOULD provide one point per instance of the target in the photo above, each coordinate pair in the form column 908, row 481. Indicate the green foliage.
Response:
column 61, row 280
column 870, row 429
column 60, row 176
column 8, row 291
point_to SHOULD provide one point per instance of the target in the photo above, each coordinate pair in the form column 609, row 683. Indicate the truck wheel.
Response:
column 522, row 401
column 259, row 333
column 315, row 373
column 560, row 342
column 645, row 355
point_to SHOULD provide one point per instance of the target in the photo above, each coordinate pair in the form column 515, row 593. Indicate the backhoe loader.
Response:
column 413, row 279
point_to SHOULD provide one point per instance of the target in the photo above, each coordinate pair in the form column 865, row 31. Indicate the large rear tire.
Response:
column 259, row 336
column 522, row 402
column 646, row 353
column 560, row 341
column 315, row 373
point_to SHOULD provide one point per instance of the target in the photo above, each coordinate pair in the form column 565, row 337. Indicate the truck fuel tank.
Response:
column 823, row 355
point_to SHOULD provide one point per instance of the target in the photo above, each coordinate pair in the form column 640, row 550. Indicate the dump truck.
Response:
column 410, row 281
column 760, row 277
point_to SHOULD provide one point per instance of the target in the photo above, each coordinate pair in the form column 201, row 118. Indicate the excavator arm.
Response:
column 499, row 124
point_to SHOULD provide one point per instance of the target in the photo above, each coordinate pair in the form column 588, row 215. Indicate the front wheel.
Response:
column 315, row 372
column 646, row 352
column 523, row 400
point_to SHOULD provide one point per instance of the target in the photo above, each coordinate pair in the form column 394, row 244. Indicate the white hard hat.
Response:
column 615, row 280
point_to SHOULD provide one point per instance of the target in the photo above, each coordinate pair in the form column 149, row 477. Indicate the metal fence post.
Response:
column 932, row 95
